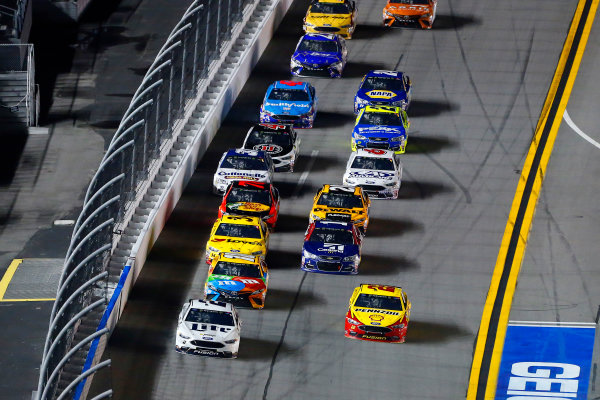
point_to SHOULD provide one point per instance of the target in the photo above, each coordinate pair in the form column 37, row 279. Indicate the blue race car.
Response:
column 380, row 127
column 331, row 248
column 289, row 102
column 383, row 88
column 319, row 55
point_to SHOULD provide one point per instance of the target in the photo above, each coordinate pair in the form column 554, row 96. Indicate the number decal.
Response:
column 273, row 126
column 342, row 189
column 375, row 151
column 382, row 287
column 389, row 73
column 291, row 83
column 258, row 185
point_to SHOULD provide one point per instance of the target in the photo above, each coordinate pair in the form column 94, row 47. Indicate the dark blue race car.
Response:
column 383, row 88
column 331, row 248
column 289, row 102
column 319, row 55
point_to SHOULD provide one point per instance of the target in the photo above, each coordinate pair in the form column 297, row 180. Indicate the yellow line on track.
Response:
column 8, row 275
column 521, row 214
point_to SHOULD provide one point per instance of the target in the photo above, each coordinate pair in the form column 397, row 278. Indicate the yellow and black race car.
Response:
column 237, row 234
column 331, row 16
column 341, row 203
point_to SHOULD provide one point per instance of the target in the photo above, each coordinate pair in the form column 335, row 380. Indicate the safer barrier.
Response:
column 171, row 120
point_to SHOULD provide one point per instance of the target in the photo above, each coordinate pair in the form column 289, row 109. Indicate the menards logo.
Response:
column 377, row 311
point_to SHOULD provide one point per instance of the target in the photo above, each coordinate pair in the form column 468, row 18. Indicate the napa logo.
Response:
column 381, row 94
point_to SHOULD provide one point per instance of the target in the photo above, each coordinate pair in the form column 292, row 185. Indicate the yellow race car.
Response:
column 381, row 127
column 237, row 234
column 379, row 313
column 331, row 16
column 341, row 203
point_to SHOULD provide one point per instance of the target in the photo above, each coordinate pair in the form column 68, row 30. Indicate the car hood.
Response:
column 336, row 20
column 379, row 130
column 331, row 249
column 312, row 57
column 381, row 95
column 287, row 107
column 369, row 174
column 236, row 283
column 202, row 331
column 236, row 245
column 339, row 214
column 240, row 174
column 376, row 317
column 247, row 208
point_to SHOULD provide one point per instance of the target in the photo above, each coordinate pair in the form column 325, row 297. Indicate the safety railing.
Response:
column 17, row 82
column 142, row 140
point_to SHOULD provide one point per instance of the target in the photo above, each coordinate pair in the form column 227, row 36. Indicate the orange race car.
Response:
column 409, row 12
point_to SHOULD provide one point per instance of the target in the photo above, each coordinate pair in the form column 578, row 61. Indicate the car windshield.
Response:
column 330, row 8
column 209, row 317
column 415, row 2
column 249, row 195
column 281, row 141
column 319, row 46
column 383, row 83
column 381, row 302
column 288, row 95
column 329, row 235
column 236, row 269
column 380, row 118
column 374, row 163
column 237, row 230
column 340, row 200
column 243, row 162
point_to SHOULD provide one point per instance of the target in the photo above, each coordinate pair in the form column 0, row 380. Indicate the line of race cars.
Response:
column 236, row 250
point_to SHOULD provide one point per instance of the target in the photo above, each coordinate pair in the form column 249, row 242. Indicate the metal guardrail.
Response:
column 16, row 60
column 135, row 151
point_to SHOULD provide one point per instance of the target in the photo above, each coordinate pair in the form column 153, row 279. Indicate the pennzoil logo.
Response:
column 369, row 310
column 381, row 94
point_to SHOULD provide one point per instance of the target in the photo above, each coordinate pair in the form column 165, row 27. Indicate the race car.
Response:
column 242, row 164
column 383, row 88
column 289, row 102
column 253, row 199
column 331, row 248
column 277, row 140
column 238, row 279
column 420, row 13
column 208, row 328
column 237, row 234
column 319, row 55
column 341, row 203
column 381, row 127
column 331, row 16
column 378, row 172
column 378, row 313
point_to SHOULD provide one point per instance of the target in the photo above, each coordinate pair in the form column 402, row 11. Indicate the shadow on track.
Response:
column 282, row 259
column 278, row 299
column 424, row 108
column 258, row 349
column 443, row 22
column 422, row 190
column 368, row 31
column 384, row 265
column 291, row 223
column 388, row 227
column 433, row 332
column 418, row 143
column 359, row 69
column 328, row 119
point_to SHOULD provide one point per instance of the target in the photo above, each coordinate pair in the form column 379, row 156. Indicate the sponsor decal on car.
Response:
column 370, row 310
column 331, row 248
column 233, row 241
column 374, row 337
column 241, row 174
column 269, row 148
column 247, row 206
column 380, row 128
column 370, row 174
column 380, row 94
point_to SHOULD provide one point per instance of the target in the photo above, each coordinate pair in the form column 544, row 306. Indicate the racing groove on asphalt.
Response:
column 479, row 80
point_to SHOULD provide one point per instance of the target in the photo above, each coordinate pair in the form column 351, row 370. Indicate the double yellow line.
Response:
column 492, row 330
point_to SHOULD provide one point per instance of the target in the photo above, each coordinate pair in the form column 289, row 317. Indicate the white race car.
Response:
column 278, row 140
column 242, row 165
column 377, row 171
column 208, row 328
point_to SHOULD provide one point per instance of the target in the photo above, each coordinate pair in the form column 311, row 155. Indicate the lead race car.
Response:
column 277, row 140
column 242, row 165
column 290, row 102
column 319, row 55
column 377, row 171
column 208, row 328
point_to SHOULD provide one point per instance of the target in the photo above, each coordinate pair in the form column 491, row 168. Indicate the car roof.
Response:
column 356, row 190
column 238, row 258
column 324, row 37
column 245, row 152
column 211, row 305
column 240, row 220
column 384, row 73
column 275, row 128
column 252, row 185
column 292, row 85
column 375, row 153
column 381, row 290
column 347, row 226
column 382, row 109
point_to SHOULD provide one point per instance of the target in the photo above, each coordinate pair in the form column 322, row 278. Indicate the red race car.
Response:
column 251, row 198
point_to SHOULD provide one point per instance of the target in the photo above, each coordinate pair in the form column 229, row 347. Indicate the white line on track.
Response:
column 304, row 176
column 544, row 323
column 579, row 131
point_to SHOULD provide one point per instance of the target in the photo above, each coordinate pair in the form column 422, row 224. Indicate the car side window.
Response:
column 312, row 92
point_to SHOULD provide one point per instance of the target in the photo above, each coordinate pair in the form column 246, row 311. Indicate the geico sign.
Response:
column 529, row 380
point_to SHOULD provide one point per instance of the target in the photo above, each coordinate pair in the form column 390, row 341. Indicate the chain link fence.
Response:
column 135, row 151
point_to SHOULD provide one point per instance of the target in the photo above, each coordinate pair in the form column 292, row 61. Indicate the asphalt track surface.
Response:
column 480, row 78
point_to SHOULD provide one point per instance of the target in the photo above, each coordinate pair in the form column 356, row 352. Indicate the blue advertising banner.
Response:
column 546, row 362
